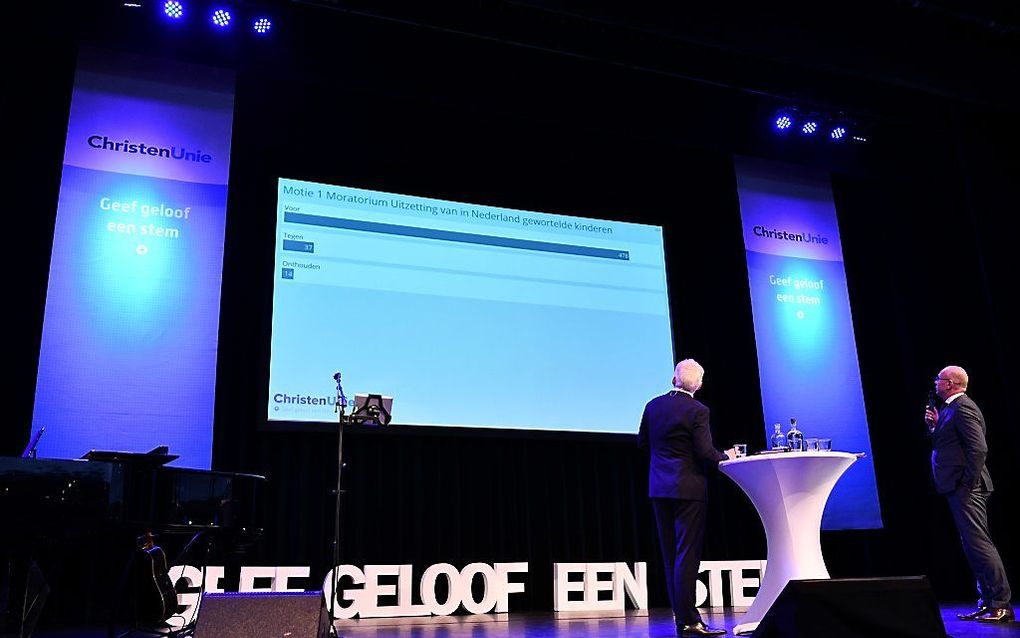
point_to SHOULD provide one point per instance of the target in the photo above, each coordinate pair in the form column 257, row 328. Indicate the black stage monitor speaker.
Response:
column 851, row 607
column 262, row 615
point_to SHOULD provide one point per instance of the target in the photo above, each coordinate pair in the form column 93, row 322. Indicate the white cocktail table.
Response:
column 789, row 490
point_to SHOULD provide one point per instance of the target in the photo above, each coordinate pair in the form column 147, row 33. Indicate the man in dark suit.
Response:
column 958, row 466
column 674, row 427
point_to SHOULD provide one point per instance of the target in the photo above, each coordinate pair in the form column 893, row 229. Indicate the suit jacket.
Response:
column 675, row 428
column 959, row 448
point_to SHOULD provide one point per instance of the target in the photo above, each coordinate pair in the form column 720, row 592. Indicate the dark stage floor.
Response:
column 659, row 622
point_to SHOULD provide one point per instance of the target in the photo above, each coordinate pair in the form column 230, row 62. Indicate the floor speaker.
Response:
column 266, row 615
column 851, row 607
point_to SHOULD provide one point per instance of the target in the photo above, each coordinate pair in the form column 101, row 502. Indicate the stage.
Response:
column 658, row 622
column 377, row 299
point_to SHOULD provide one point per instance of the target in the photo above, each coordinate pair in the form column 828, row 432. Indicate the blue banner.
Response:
column 128, row 355
column 807, row 356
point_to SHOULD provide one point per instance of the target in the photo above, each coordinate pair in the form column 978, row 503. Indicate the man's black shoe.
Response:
column 699, row 629
column 997, row 614
column 980, row 611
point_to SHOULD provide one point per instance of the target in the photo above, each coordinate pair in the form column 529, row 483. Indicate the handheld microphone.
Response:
column 931, row 405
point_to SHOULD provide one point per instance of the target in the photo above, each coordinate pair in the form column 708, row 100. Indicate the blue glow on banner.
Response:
column 807, row 356
column 128, row 356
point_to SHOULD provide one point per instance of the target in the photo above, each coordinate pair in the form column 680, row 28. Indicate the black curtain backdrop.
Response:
column 928, row 218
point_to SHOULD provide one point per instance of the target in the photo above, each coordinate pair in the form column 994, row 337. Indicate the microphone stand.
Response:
column 340, row 408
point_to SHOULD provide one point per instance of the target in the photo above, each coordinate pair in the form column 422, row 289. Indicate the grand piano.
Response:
column 45, row 500
column 125, row 490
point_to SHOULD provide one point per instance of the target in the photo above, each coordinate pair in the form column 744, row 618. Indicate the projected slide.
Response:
column 467, row 315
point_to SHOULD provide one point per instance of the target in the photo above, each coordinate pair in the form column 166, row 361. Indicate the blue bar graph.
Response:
column 298, row 246
column 449, row 235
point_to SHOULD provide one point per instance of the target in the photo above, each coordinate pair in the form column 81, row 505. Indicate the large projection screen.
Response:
column 467, row 315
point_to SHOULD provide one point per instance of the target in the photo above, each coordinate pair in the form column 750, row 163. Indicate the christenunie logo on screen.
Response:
column 301, row 399
column 302, row 406
column 104, row 143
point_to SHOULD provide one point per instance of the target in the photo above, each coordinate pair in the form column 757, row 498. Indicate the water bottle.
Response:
column 778, row 439
column 794, row 437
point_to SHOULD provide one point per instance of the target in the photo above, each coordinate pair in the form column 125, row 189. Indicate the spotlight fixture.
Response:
column 221, row 18
column 221, row 13
column 173, row 9
column 262, row 25
column 813, row 126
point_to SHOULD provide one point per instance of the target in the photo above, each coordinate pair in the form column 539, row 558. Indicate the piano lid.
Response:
column 155, row 457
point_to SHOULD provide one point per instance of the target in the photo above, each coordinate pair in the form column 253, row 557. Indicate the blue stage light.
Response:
column 809, row 128
column 837, row 133
column 173, row 9
column 783, row 122
column 221, row 18
column 262, row 26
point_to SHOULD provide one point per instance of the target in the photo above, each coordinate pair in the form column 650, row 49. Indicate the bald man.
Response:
column 959, row 449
